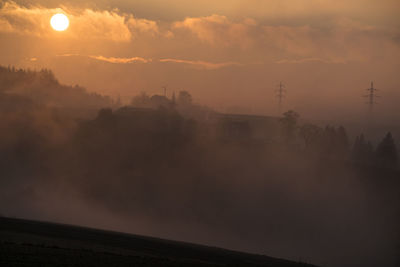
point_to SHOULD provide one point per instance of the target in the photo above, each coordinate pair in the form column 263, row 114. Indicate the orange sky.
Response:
column 226, row 53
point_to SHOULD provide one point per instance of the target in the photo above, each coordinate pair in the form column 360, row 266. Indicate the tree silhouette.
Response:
column 311, row 134
column 141, row 101
column 386, row 152
column 43, row 88
column 363, row 150
column 338, row 142
column 184, row 98
column 343, row 139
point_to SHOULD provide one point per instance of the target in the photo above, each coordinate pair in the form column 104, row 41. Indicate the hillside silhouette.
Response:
column 57, row 244
column 42, row 88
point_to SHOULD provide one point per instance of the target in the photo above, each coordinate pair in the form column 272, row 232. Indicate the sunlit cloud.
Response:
column 336, row 40
column 197, row 64
column 69, row 55
column 310, row 60
column 201, row 64
column 23, row 20
column 217, row 30
column 142, row 26
column 101, row 25
column 85, row 23
column 118, row 60
column 279, row 40
column 114, row 60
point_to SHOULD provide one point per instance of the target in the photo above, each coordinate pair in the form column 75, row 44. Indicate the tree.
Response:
column 105, row 116
column 185, row 98
column 386, row 152
column 335, row 142
column 310, row 134
column 363, row 151
column 141, row 101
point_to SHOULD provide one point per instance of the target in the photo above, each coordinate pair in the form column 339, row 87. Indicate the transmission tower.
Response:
column 280, row 94
column 371, row 96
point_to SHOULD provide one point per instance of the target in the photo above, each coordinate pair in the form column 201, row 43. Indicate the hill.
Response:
column 42, row 88
column 33, row 243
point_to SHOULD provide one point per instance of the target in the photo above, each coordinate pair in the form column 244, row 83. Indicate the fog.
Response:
column 283, row 186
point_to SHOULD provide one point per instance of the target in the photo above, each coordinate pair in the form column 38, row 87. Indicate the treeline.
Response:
column 181, row 102
column 324, row 142
column 333, row 142
column 42, row 88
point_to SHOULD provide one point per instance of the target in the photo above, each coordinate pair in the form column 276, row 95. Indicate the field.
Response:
column 32, row 243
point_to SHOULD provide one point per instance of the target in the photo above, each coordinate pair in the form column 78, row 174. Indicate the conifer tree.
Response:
column 386, row 152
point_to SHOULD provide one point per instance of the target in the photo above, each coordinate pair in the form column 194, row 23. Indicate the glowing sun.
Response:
column 59, row 22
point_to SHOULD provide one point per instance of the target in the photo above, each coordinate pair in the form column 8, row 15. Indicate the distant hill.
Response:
column 41, row 87
column 33, row 243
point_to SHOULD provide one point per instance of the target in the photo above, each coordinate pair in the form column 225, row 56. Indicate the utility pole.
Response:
column 280, row 94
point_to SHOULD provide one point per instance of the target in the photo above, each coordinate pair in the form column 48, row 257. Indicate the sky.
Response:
column 229, row 54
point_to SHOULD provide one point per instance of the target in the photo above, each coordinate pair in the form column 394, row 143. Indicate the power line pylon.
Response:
column 280, row 94
column 371, row 97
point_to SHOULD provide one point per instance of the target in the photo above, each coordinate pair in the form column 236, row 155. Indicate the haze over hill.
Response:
column 175, row 169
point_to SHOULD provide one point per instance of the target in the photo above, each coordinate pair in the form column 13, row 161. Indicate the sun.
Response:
column 59, row 22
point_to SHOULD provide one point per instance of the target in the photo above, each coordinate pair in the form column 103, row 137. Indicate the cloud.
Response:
column 198, row 64
column 114, row 60
column 334, row 40
column 119, row 60
column 142, row 26
column 84, row 23
column 101, row 25
column 340, row 41
column 217, row 29
column 310, row 60
column 70, row 55
column 201, row 64
column 19, row 19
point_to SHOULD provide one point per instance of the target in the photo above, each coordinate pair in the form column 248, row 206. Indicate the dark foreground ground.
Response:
column 32, row 243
